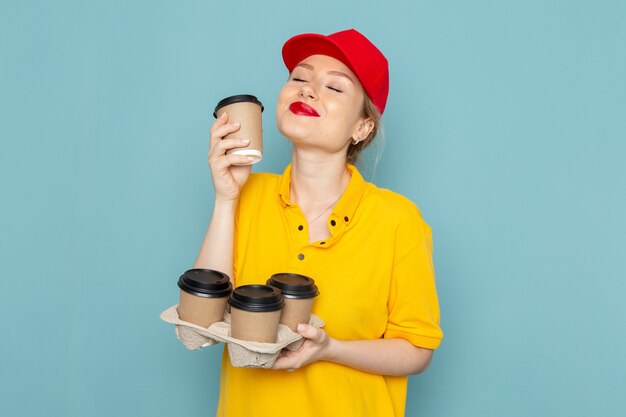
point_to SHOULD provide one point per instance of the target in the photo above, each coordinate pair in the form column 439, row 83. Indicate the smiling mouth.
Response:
column 301, row 109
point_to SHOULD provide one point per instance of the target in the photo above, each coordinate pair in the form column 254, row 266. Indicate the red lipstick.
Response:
column 303, row 109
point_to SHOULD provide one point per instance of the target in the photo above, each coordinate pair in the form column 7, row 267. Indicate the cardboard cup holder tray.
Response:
column 242, row 353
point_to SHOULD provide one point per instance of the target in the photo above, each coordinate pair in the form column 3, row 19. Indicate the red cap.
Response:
column 353, row 49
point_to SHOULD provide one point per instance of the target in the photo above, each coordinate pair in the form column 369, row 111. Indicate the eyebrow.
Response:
column 339, row 73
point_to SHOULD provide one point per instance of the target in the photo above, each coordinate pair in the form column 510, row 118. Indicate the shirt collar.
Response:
column 349, row 201
column 283, row 188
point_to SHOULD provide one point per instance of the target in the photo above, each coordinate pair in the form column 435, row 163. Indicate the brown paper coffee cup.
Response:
column 296, row 311
column 299, row 292
column 203, row 296
column 200, row 310
column 246, row 110
column 254, row 326
column 255, row 313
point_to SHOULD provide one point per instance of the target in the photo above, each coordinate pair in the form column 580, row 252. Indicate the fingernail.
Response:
column 245, row 141
column 223, row 115
column 300, row 327
column 236, row 124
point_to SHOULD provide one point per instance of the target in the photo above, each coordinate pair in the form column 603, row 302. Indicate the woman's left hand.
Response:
column 314, row 348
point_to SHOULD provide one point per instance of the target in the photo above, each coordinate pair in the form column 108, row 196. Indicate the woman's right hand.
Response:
column 229, row 172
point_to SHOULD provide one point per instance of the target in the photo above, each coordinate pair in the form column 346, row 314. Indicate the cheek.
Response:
column 285, row 93
column 280, row 103
column 344, row 116
column 283, row 98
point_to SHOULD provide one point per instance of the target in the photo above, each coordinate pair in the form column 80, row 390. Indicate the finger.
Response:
column 219, row 132
column 311, row 332
column 224, row 162
column 220, row 121
column 288, row 362
column 225, row 129
column 222, row 146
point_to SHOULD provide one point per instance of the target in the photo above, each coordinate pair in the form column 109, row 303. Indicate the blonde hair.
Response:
column 369, row 111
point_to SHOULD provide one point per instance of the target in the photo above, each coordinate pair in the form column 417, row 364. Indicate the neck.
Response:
column 316, row 182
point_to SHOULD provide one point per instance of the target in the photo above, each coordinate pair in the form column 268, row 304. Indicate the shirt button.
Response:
column 300, row 256
column 345, row 219
column 300, row 227
column 332, row 222
column 322, row 243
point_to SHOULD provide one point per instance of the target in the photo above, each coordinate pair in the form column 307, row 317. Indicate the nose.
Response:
column 307, row 92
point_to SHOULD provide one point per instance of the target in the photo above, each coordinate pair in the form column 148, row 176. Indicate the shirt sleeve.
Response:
column 413, row 304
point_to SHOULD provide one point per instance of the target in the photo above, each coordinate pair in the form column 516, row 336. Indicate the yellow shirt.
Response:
column 376, row 280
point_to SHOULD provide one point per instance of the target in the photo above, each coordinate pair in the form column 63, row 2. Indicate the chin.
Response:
column 292, row 127
column 293, row 133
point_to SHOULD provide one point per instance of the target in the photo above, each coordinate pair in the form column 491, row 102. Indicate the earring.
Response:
column 356, row 141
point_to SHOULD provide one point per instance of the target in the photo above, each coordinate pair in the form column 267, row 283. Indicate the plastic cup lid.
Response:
column 294, row 285
column 205, row 283
column 241, row 98
column 256, row 298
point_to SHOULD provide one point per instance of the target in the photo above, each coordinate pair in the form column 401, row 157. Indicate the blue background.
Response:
column 506, row 124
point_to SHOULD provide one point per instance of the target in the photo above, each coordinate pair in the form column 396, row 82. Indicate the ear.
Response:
column 363, row 129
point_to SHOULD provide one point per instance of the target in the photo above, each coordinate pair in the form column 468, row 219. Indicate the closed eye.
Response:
column 334, row 89
column 299, row 80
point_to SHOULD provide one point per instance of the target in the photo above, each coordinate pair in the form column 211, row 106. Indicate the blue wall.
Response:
column 506, row 124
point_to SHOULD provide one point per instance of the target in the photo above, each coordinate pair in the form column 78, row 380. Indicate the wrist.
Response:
column 333, row 349
column 225, row 204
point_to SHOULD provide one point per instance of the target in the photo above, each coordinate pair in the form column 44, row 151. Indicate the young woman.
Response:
column 368, row 249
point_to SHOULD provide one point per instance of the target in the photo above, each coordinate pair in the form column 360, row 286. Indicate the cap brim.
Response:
column 302, row 46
